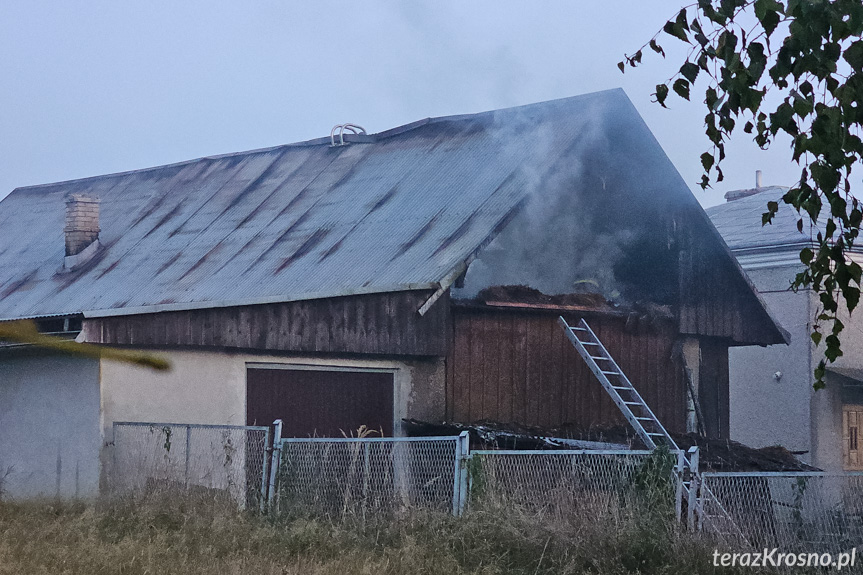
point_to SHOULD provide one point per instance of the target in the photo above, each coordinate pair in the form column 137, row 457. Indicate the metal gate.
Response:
column 357, row 476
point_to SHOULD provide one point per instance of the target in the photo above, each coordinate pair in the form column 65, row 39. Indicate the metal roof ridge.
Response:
column 354, row 138
column 475, row 115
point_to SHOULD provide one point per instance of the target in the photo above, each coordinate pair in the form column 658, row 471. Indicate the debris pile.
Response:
column 527, row 295
column 520, row 296
column 715, row 454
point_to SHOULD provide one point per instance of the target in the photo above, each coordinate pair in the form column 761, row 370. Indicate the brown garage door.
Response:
column 318, row 403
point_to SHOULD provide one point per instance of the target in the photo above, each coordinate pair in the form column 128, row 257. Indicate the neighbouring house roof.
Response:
column 739, row 222
column 405, row 209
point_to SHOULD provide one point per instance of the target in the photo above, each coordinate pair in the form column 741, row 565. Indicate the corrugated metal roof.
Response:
column 393, row 211
column 739, row 222
column 398, row 210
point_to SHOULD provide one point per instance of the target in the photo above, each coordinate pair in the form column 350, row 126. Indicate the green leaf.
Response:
column 689, row 71
column 757, row 60
column 854, row 55
column 769, row 22
column 706, row 161
column 657, row 48
column 806, row 255
column 852, row 297
column 622, row 66
column 681, row 20
column 676, row 30
column 25, row 331
column 661, row 94
column 681, row 88
column 816, row 338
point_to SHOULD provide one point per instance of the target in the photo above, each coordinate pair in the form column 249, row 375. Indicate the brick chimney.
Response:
column 82, row 223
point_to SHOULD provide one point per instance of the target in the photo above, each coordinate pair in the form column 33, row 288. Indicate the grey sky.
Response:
column 106, row 86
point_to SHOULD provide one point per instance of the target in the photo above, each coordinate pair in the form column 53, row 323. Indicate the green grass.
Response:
column 190, row 537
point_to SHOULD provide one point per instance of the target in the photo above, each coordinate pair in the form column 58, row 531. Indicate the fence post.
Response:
column 265, row 472
column 694, row 479
column 459, row 496
column 188, row 444
column 679, row 470
column 114, row 475
column 276, row 460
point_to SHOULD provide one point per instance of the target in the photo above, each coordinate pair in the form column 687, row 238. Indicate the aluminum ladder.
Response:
column 625, row 396
column 648, row 427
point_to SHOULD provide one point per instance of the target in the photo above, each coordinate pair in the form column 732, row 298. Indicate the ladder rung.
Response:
column 600, row 357
column 618, row 387
column 656, row 434
column 610, row 372
column 578, row 329
column 633, row 403
column 587, row 342
column 644, row 418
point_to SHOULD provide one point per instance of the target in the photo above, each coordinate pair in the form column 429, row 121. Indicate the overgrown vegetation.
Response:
column 190, row 537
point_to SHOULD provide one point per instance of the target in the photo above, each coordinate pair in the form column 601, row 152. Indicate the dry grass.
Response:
column 187, row 537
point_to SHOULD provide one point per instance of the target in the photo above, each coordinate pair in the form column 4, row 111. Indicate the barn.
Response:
column 359, row 279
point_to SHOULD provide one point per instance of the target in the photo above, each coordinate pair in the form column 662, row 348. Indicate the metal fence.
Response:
column 797, row 512
column 223, row 461
column 355, row 477
column 585, row 483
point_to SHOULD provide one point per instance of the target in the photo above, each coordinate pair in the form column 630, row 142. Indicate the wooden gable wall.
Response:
column 715, row 299
column 517, row 366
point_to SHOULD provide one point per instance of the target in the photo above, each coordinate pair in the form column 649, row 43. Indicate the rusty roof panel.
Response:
column 394, row 211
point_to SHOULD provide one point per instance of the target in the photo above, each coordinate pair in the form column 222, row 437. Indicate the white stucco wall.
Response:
column 210, row 387
column 56, row 413
column 207, row 387
column 766, row 410
column 49, row 426
column 788, row 411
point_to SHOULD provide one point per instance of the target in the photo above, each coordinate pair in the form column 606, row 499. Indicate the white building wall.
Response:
column 770, row 387
column 787, row 411
column 49, row 427
column 57, row 413
column 210, row 388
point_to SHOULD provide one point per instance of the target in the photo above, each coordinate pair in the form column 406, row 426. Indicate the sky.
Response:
column 97, row 87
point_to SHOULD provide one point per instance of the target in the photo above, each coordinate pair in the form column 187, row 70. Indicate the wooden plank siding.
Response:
column 713, row 390
column 517, row 366
column 386, row 323
column 715, row 299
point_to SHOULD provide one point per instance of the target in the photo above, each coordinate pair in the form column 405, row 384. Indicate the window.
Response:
column 852, row 417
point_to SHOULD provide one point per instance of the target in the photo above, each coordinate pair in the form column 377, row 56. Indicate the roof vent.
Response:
column 353, row 128
column 82, row 229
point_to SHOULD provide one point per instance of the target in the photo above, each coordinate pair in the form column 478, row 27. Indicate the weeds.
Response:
column 5, row 472
column 173, row 536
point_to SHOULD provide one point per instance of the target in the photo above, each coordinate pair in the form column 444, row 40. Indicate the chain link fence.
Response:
column 797, row 512
column 350, row 477
column 356, row 477
column 586, row 483
column 221, row 461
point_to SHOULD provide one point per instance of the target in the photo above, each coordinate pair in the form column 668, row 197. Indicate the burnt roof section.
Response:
column 400, row 210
